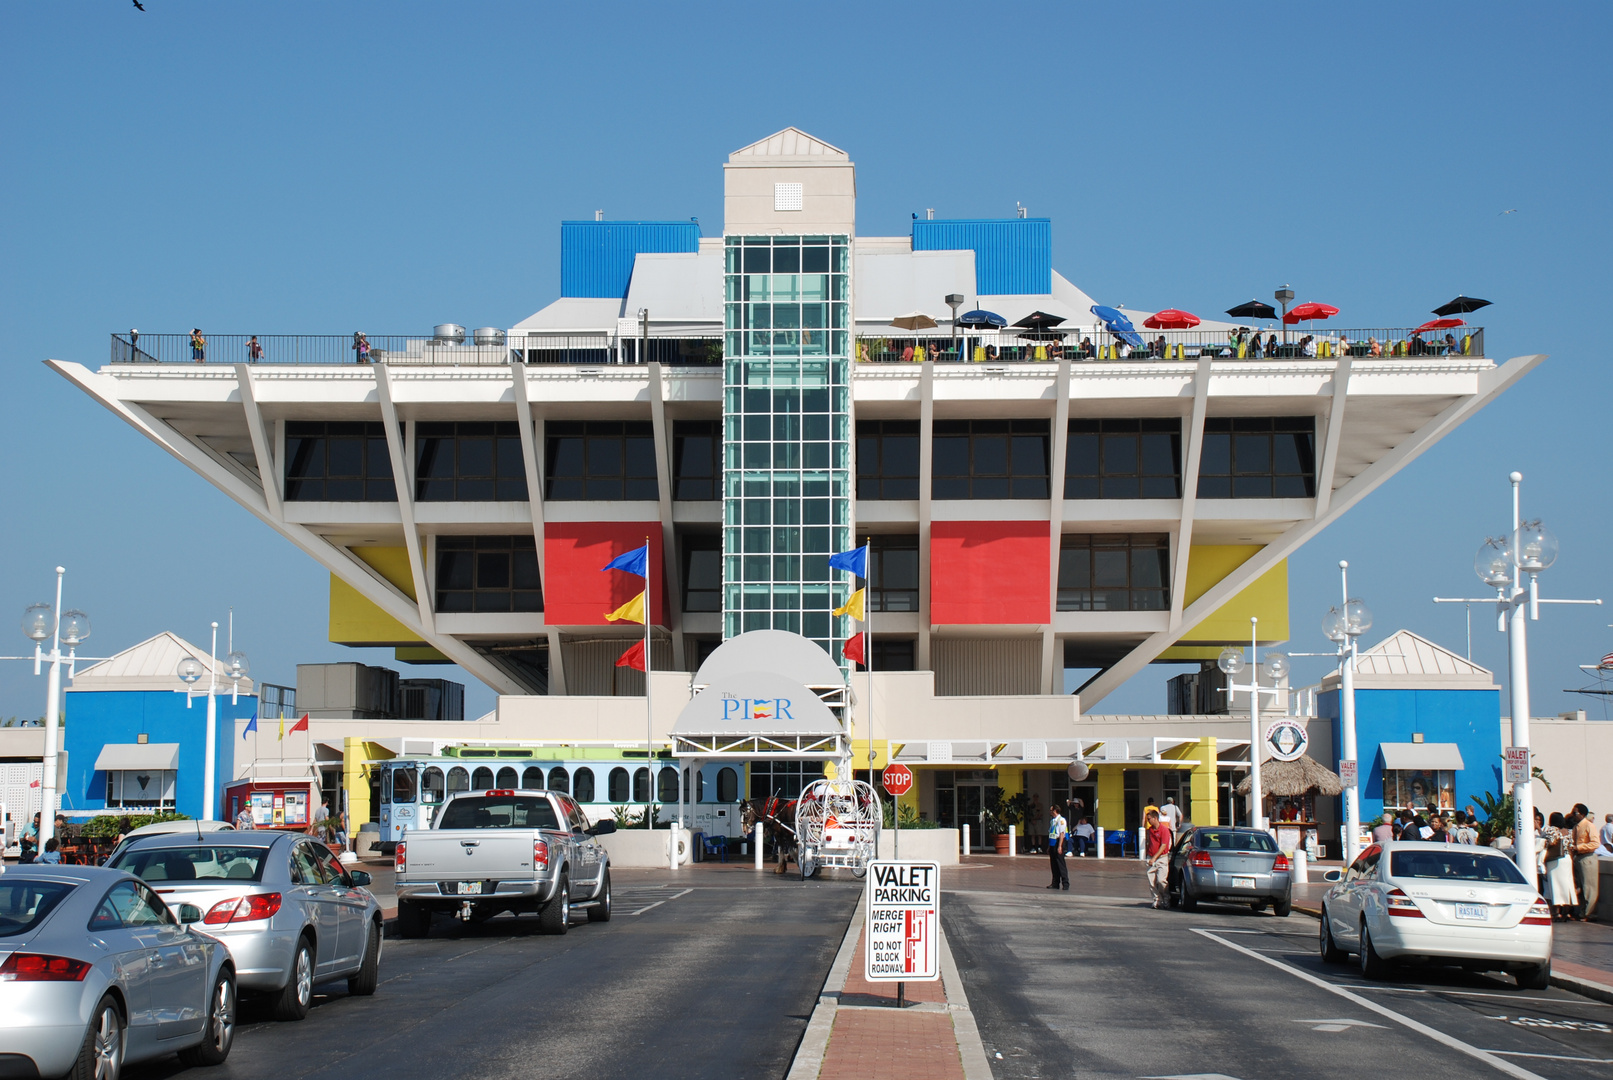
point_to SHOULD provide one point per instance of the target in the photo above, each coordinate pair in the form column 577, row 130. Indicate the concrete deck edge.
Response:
column 814, row 1045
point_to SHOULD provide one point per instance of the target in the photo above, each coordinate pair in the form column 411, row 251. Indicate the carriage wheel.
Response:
column 805, row 861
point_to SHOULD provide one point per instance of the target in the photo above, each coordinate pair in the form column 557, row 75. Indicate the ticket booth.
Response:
column 275, row 804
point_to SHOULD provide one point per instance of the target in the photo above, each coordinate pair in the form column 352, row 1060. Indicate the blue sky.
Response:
column 317, row 168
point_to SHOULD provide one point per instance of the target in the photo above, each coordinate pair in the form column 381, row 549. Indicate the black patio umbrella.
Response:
column 1039, row 320
column 1254, row 309
column 1460, row 306
column 981, row 318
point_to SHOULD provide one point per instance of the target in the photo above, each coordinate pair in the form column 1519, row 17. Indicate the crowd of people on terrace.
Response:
column 1242, row 343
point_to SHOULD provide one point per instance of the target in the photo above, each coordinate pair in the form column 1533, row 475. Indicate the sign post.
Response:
column 902, row 918
column 898, row 780
column 1517, row 768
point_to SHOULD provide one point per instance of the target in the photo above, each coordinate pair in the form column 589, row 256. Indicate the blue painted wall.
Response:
column 596, row 257
column 1013, row 256
column 95, row 718
column 1469, row 718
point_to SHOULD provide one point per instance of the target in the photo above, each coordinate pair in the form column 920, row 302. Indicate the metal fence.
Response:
column 1012, row 346
column 401, row 349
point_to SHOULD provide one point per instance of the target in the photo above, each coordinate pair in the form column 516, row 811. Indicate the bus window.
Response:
column 481, row 779
column 583, row 785
column 532, row 778
column 431, row 785
column 403, row 784
column 559, row 781
column 666, row 784
column 458, row 779
column 618, row 785
column 386, row 785
column 727, row 785
column 508, row 777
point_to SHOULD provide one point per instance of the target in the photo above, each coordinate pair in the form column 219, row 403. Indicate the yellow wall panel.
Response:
column 1266, row 597
column 354, row 620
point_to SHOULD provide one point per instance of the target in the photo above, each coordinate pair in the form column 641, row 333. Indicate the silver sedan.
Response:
column 1230, row 865
column 97, row 971
column 292, row 915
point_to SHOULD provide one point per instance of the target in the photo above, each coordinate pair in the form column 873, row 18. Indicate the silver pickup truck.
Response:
column 503, row 850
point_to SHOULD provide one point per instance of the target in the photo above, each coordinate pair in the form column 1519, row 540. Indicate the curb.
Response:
column 815, row 1040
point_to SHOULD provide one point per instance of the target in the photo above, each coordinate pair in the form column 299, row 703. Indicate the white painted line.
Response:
column 1553, row 1057
column 1372, row 1006
column 1464, row 993
column 642, row 910
column 685, row 892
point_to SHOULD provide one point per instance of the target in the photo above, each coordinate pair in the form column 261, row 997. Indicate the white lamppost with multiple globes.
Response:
column 1343, row 625
column 190, row 671
column 1275, row 666
column 39, row 622
column 1501, row 563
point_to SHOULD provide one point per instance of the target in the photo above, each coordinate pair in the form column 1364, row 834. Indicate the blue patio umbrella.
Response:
column 981, row 318
column 1118, row 325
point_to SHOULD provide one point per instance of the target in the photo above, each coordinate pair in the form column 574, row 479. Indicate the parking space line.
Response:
column 658, row 903
column 1465, row 993
column 1438, row 1036
column 1553, row 1057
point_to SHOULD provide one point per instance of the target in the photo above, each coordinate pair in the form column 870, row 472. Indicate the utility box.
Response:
column 432, row 699
column 348, row 692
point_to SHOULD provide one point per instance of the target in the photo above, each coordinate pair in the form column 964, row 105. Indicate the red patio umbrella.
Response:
column 1439, row 324
column 1308, row 311
column 1171, row 319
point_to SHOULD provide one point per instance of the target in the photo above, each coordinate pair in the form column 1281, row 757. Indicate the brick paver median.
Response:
column 891, row 1045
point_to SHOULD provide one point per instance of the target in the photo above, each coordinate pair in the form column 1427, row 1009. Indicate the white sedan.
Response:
column 1441, row 904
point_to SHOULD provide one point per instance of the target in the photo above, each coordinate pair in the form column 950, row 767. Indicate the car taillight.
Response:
column 400, row 858
column 1403, row 905
column 244, row 909
column 1539, row 915
column 37, row 967
column 1279, row 863
column 540, row 855
column 1201, row 859
column 500, row 791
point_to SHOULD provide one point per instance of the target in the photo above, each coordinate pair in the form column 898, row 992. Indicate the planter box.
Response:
column 644, row 848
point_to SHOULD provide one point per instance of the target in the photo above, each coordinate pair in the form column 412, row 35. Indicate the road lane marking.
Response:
column 1469, row 993
column 1372, row 1006
column 658, row 903
column 1555, row 1057
column 1340, row 1024
column 1594, row 1026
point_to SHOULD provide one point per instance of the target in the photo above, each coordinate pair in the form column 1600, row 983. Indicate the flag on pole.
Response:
column 301, row 725
column 853, row 648
column 855, row 561
column 853, row 606
column 633, row 658
column 632, row 611
column 636, row 561
column 251, row 725
column 33, row 783
column 282, row 727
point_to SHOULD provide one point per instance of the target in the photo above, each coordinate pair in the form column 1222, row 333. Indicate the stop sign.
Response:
column 897, row 779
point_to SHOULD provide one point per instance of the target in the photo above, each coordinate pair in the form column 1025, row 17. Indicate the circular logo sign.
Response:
column 1286, row 740
column 898, row 779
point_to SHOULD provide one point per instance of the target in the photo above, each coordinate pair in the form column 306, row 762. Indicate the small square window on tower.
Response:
column 787, row 196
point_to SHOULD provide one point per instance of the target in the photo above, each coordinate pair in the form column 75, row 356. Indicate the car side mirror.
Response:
column 189, row 913
column 602, row 828
column 359, row 877
column 1333, row 875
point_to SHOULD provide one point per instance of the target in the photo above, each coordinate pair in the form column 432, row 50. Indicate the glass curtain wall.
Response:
column 786, row 415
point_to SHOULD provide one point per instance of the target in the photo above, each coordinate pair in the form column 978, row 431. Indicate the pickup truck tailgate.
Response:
column 458, row 854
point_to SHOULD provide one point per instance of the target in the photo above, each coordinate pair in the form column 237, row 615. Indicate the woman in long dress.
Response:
column 1560, row 870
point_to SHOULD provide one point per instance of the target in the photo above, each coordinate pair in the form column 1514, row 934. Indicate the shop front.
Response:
column 273, row 803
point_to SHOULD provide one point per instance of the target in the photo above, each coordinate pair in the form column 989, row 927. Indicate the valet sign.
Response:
column 904, row 916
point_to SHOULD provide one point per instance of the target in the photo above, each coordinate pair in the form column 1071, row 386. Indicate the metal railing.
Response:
column 1013, row 346
column 682, row 350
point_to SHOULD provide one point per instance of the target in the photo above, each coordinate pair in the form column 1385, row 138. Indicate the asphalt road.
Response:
column 1067, row 985
column 704, row 982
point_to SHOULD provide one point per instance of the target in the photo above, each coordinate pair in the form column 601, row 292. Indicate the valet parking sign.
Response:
column 904, row 916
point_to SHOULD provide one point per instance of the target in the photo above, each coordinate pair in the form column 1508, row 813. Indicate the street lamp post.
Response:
column 1343, row 625
column 39, row 622
column 189, row 672
column 1275, row 666
column 1501, row 564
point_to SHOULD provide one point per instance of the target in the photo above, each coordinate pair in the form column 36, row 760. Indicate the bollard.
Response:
column 1142, row 845
column 1012, row 837
column 758, row 845
column 1100, row 838
column 966, row 840
column 1301, row 868
column 672, row 847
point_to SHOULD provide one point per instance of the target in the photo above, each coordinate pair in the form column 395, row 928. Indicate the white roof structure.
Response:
column 778, row 652
column 792, row 142
column 756, row 715
column 151, row 665
column 1405, row 660
column 584, row 314
column 678, row 287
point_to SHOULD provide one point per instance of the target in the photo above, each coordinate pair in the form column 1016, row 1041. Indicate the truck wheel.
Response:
column 600, row 912
column 363, row 984
column 555, row 918
column 298, row 994
column 414, row 920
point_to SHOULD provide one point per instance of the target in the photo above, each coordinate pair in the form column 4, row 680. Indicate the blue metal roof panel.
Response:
column 596, row 257
column 1013, row 256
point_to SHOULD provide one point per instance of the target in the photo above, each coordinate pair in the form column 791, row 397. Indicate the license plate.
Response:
column 469, row 888
column 1243, row 883
column 1476, row 912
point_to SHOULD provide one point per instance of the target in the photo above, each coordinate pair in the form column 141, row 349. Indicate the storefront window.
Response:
column 1417, row 788
column 140, row 788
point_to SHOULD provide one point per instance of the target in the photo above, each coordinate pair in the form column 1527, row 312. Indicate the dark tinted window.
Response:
column 728, row 785
column 702, row 572
column 1114, row 573
column 697, row 459
column 990, row 459
column 582, row 782
column 893, row 654
column 469, row 462
column 1124, row 459
column 193, row 863
column 887, row 459
column 1230, row 840
column 499, row 812
column 601, row 459
column 618, row 785
column 488, row 573
column 1258, row 457
column 24, row 904
column 895, row 572
column 129, row 904
column 1454, row 865
column 343, row 461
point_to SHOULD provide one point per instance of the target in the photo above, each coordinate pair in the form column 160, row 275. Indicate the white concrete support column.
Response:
column 1052, row 662
column 921, row 659
column 403, row 481
column 1192, row 451
column 1012, row 843
column 1328, row 466
column 965, row 845
column 1098, row 830
column 672, row 571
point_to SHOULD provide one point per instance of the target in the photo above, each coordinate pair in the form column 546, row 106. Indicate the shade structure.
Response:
column 1461, row 306
column 1439, row 324
column 1039, row 320
column 1290, row 779
column 1308, row 311
column 1117, row 324
column 1254, row 309
column 980, row 317
column 1171, row 319
column 913, row 320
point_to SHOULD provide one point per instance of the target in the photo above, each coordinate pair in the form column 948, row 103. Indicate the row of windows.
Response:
column 437, row 783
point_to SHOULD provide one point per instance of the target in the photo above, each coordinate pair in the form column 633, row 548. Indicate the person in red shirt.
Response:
column 1159, row 856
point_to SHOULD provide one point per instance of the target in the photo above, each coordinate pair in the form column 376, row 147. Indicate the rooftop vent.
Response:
column 448, row 334
column 486, row 335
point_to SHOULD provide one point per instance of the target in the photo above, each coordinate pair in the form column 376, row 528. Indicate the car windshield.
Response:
column 197, row 862
column 1455, row 865
column 1232, row 840
column 499, row 812
column 24, row 903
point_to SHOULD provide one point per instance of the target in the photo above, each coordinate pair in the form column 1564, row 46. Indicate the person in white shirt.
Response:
column 1171, row 814
column 1084, row 835
column 1607, row 837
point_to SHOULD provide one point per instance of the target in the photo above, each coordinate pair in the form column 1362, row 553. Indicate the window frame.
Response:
column 521, row 566
column 632, row 442
column 683, row 432
column 1226, row 438
column 1069, row 596
column 299, row 483
column 1109, row 477
column 873, row 479
column 436, row 481
column 978, row 483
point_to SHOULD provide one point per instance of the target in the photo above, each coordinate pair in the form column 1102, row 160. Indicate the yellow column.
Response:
column 356, row 781
column 1206, row 807
column 1111, row 797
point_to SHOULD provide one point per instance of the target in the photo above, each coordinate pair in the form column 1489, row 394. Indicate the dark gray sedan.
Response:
column 1225, row 864
column 96, row 971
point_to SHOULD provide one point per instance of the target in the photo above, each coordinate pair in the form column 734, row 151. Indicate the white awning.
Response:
column 156, row 755
column 1425, row 756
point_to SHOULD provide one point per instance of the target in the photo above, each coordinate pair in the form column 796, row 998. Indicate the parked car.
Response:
column 177, row 825
column 98, row 972
column 501, row 850
column 292, row 915
column 1438, row 903
column 1230, row 865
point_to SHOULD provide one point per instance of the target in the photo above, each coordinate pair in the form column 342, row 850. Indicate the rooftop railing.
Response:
column 683, row 349
column 1014, row 346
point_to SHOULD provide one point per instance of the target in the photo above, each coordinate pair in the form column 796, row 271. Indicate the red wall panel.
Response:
column 989, row 572
column 575, row 593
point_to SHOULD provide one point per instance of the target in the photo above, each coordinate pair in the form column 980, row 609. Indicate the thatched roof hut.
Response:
column 1290, row 779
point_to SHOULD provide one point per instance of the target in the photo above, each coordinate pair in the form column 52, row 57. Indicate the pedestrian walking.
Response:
column 198, row 345
column 361, row 347
column 243, row 820
column 1559, row 868
column 1158, row 835
column 1056, row 828
column 1171, row 814
column 1033, row 821
column 1607, row 837
column 254, row 350
column 1586, row 867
